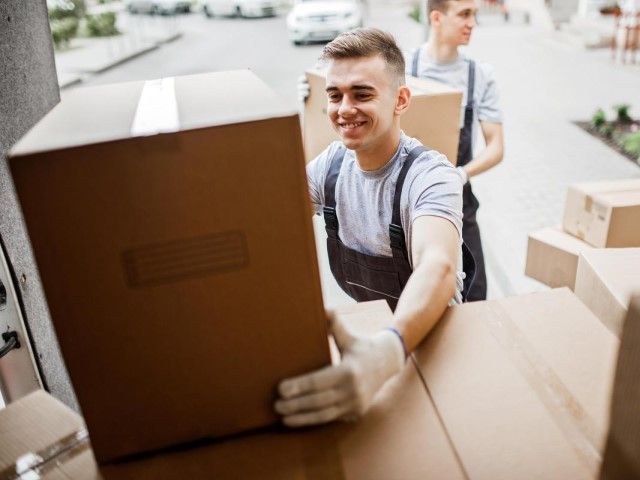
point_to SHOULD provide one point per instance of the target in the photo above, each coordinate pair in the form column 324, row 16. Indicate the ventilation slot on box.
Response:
column 187, row 258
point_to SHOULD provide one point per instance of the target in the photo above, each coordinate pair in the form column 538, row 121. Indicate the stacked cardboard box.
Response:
column 494, row 395
column 606, row 280
column 433, row 116
column 596, row 215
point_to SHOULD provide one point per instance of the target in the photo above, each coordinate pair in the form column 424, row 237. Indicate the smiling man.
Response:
column 452, row 22
column 393, row 214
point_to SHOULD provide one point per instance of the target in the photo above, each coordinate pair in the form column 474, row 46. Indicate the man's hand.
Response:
column 303, row 89
column 344, row 391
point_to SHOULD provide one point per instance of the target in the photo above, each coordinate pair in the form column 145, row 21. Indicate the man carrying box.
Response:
column 452, row 22
column 393, row 213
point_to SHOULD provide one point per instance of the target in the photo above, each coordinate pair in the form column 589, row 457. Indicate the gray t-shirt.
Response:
column 486, row 104
column 364, row 198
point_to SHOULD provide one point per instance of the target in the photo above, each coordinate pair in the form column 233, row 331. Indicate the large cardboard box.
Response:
column 604, row 214
column 605, row 281
column 523, row 385
column 552, row 257
column 433, row 116
column 400, row 438
column 171, row 225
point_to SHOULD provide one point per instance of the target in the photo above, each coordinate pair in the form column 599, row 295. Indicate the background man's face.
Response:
column 457, row 23
column 361, row 96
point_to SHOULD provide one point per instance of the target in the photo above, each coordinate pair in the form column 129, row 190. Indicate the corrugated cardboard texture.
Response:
column 604, row 214
column 399, row 438
column 181, row 274
column 514, row 403
column 622, row 455
column 433, row 116
column 552, row 257
column 29, row 89
column 605, row 281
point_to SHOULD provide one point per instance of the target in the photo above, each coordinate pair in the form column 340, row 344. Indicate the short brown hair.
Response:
column 367, row 42
column 439, row 5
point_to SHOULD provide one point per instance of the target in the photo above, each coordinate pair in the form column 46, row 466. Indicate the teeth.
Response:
column 352, row 125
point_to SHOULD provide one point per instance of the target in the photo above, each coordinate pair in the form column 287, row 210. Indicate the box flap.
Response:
column 618, row 270
column 556, row 237
column 107, row 112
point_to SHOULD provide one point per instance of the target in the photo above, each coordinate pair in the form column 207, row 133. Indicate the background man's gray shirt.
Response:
column 486, row 101
column 364, row 198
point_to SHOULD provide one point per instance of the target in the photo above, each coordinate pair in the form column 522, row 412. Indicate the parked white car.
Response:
column 240, row 8
column 322, row 20
column 163, row 7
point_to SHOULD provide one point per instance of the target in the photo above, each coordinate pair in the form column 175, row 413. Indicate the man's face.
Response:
column 362, row 102
column 456, row 24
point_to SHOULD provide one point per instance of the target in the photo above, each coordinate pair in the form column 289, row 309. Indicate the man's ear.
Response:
column 434, row 17
column 403, row 99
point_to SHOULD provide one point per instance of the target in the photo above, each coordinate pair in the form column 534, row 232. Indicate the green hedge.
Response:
column 63, row 30
column 631, row 144
column 102, row 25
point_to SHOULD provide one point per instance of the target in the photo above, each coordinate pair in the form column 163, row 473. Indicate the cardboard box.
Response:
column 399, row 438
column 552, row 257
column 605, row 281
column 433, row 116
column 47, row 439
column 171, row 225
column 604, row 214
column 622, row 455
column 522, row 385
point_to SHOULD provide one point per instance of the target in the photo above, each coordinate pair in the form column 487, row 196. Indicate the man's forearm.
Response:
column 488, row 158
column 424, row 299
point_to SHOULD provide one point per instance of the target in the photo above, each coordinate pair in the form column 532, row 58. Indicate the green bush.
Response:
column 62, row 9
column 102, row 25
column 631, row 144
column 606, row 130
column 622, row 113
column 63, row 30
column 80, row 7
column 415, row 12
column 598, row 119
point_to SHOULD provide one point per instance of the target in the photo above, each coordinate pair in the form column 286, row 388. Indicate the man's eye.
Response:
column 334, row 98
column 363, row 96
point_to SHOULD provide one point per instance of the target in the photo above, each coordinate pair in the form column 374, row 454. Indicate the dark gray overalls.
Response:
column 371, row 277
column 470, row 204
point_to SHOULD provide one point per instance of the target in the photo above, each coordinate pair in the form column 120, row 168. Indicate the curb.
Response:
column 121, row 60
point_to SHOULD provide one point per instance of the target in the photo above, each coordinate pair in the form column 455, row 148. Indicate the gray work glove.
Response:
column 344, row 391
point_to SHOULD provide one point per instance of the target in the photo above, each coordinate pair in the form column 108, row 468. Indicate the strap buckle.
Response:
column 331, row 221
column 396, row 238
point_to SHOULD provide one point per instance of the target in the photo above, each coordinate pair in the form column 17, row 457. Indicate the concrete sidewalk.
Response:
column 545, row 85
column 89, row 56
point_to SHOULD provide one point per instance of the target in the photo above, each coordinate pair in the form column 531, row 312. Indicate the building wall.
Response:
column 28, row 90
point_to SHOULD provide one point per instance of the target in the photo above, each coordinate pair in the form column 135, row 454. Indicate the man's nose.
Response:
column 346, row 106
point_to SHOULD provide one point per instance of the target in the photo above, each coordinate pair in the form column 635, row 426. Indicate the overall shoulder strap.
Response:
column 471, row 83
column 396, row 233
column 332, row 177
column 330, row 216
column 414, row 63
